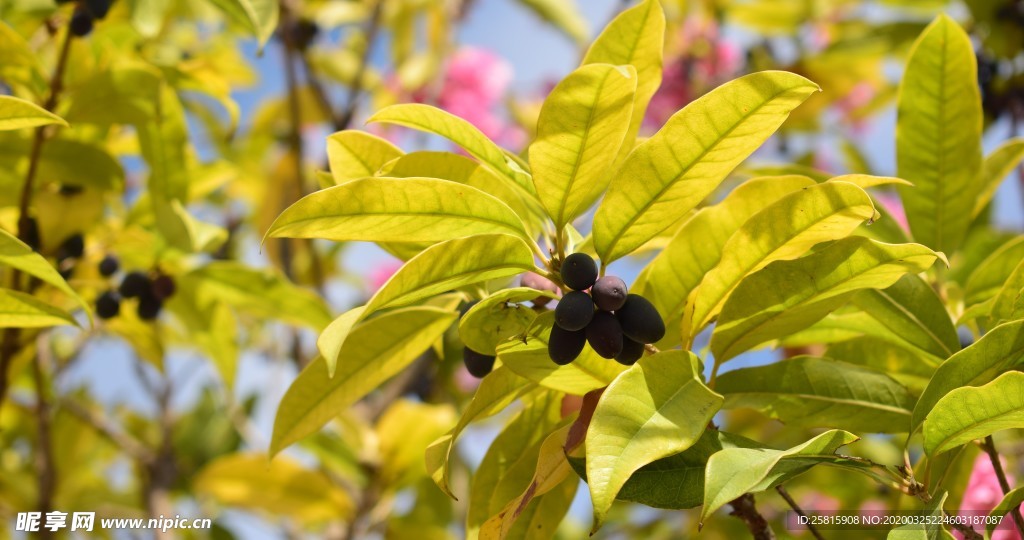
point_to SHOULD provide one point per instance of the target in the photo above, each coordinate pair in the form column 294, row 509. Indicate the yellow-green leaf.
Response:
column 656, row 408
column 259, row 16
column 581, row 126
column 280, row 487
column 634, row 37
column 1001, row 349
column 975, row 412
column 938, row 135
column 403, row 431
column 376, row 351
column 1010, row 501
column 397, row 210
column 356, row 154
column 17, row 254
column 788, row 296
column 16, row 113
column 20, row 310
column 497, row 390
column 564, row 15
column 333, row 337
column 1008, row 303
column 697, row 247
column 989, row 277
column 995, row 168
column 674, row 170
column 495, row 319
column 784, row 230
column 460, row 132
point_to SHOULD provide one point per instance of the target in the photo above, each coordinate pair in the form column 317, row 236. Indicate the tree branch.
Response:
column 44, row 444
column 745, row 509
column 799, row 511
column 990, row 448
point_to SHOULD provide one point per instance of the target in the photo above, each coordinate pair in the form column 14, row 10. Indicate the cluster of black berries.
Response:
column 151, row 291
column 85, row 14
column 68, row 253
column 615, row 324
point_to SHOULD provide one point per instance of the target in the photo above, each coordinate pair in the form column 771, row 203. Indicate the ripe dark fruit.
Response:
column 564, row 346
column 604, row 334
column 81, row 23
column 149, row 307
column 579, row 271
column 134, row 284
column 631, row 352
column 108, row 305
column 574, row 311
column 72, row 247
column 109, row 265
column 163, row 287
column 98, row 8
column 478, row 365
column 640, row 320
column 609, row 293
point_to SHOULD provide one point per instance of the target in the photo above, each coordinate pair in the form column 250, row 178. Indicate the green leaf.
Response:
column 736, row 471
column 356, row 154
column 564, row 15
column 909, row 314
column 497, row 318
column 883, row 356
column 16, row 113
column 675, row 482
column 818, row 392
column 1008, row 303
column 656, row 408
column 975, row 412
column 670, row 173
column 995, row 168
column 20, row 68
column 452, row 264
column 20, row 310
column 376, row 351
column 784, row 230
column 938, row 135
column 260, row 292
column 333, row 337
column 634, row 37
column 930, row 529
column 459, row 131
column 697, row 247
column 281, row 487
column 397, row 210
column 496, row 391
column 529, row 358
column 1010, row 501
column 16, row 254
column 1001, row 349
column 788, row 296
column 404, row 429
column 990, row 276
column 581, row 126
column 147, row 16
column 258, row 16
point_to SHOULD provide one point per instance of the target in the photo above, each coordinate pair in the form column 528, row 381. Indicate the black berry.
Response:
column 574, row 311
column 108, row 305
column 72, row 247
column 81, row 23
column 135, row 284
column 478, row 364
column 564, row 346
column 609, row 293
column 163, row 287
column 640, row 320
column 98, row 8
column 70, row 190
column 579, row 271
column 604, row 334
column 149, row 307
column 109, row 266
column 631, row 352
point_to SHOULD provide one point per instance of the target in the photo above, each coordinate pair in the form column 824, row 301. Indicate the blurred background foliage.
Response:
column 195, row 122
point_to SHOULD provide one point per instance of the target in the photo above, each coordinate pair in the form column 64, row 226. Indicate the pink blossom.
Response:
column 673, row 95
column 894, row 208
column 983, row 493
column 817, row 502
column 382, row 273
column 475, row 83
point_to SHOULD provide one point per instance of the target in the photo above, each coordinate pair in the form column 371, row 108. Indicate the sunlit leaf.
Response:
column 16, row 254
column 356, row 154
column 16, row 113
column 995, row 168
column 975, row 412
column 376, row 351
column 20, row 310
column 656, row 408
column 498, row 317
column 909, row 314
column 259, row 16
column 938, row 135
column 674, row 170
column 403, row 431
column 817, row 392
column 563, row 14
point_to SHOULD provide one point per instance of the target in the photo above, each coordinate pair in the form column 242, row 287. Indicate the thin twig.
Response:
column 990, row 448
column 356, row 88
column 799, row 511
column 121, row 439
column 744, row 508
column 44, row 445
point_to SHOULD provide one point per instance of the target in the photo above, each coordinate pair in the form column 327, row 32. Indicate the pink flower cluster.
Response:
column 983, row 493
